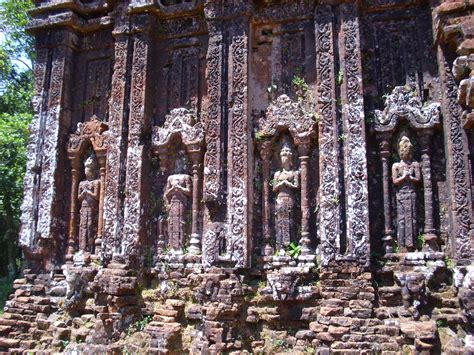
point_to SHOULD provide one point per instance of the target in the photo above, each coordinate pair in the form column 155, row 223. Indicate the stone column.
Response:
column 72, row 236
column 195, row 242
column 462, row 244
column 240, row 146
column 330, row 189
column 265, row 154
column 355, row 155
column 425, row 137
column 44, row 189
column 137, row 161
column 30, row 201
column 384, row 146
column 214, row 156
column 304, row 151
column 115, row 182
column 101, row 157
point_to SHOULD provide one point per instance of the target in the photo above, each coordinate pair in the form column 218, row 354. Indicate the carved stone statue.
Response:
column 285, row 182
column 406, row 175
column 88, row 196
column 178, row 194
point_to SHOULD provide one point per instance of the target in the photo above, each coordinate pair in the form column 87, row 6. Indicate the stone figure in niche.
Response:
column 88, row 196
column 178, row 193
column 406, row 175
column 285, row 185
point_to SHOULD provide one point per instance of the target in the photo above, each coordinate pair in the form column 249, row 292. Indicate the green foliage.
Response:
column 294, row 250
column 396, row 247
column 340, row 77
column 442, row 323
column 300, row 85
column 64, row 343
column 13, row 20
column 259, row 136
column 450, row 264
column 420, row 241
column 6, row 287
column 139, row 325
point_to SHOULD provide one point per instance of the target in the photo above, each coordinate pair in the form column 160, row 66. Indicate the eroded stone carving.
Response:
column 178, row 193
column 406, row 175
column 286, row 116
column 89, row 195
column 285, row 183
column 89, row 192
column 181, row 126
column 404, row 105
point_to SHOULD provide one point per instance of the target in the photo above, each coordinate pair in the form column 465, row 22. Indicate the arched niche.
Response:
column 92, row 135
column 285, row 116
column 182, row 128
column 403, row 107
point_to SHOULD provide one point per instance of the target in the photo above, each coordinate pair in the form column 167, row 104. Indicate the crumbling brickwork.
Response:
column 261, row 176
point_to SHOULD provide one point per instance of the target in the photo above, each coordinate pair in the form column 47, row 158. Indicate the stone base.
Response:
column 342, row 308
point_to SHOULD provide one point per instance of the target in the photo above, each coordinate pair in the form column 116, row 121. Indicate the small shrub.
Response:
column 294, row 250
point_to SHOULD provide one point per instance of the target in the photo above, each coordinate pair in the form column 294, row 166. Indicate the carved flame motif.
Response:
column 404, row 103
column 92, row 131
column 283, row 114
column 180, row 122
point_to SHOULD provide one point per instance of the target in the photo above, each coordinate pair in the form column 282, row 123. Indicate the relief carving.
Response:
column 404, row 105
column 177, row 194
column 181, row 127
column 89, row 195
column 285, row 184
column 286, row 116
column 406, row 175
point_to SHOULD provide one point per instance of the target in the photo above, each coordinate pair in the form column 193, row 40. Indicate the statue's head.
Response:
column 286, row 153
column 90, row 167
column 405, row 148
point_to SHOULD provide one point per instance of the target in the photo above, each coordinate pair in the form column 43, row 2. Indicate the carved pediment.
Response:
column 180, row 123
column 403, row 103
column 286, row 114
column 92, row 132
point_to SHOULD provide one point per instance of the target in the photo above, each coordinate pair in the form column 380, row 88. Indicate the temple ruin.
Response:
column 248, row 176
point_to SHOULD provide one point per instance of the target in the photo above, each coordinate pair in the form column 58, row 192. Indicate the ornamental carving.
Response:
column 285, row 116
column 285, row 182
column 182, row 132
column 178, row 194
column 404, row 103
column 231, row 187
column 87, row 196
column 90, row 132
column 406, row 175
column 181, row 124
column 404, row 106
